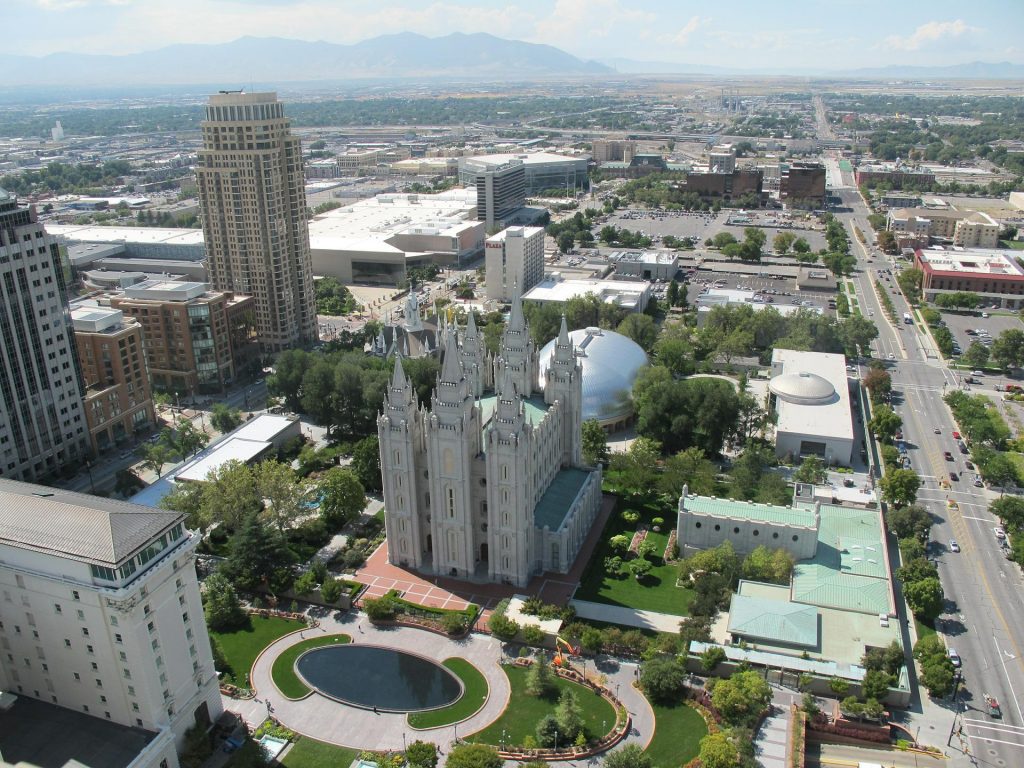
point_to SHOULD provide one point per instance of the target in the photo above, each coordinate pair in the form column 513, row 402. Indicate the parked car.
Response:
column 947, row 455
column 999, row 532
column 954, row 477
column 954, row 657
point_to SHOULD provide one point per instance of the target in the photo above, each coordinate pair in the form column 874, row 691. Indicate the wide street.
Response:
column 984, row 620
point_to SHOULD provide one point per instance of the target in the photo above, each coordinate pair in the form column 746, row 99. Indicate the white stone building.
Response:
column 513, row 260
column 488, row 486
column 100, row 614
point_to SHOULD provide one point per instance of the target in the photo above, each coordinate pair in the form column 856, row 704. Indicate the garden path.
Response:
column 631, row 617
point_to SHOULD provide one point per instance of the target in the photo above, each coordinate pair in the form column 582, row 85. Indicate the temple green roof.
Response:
column 744, row 510
column 534, row 407
column 554, row 505
column 776, row 621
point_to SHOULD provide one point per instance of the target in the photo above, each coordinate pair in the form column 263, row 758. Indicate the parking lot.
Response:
column 775, row 290
column 682, row 224
column 994, row 324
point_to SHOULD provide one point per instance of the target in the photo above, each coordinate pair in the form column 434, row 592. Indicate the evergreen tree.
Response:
column 259, row 557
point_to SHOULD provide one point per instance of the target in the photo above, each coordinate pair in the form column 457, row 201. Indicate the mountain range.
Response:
column 404, row 55
column 253, row 59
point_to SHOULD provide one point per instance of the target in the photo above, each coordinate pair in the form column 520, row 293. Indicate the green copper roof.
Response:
column 744, row 510
column 534, row 407
column 554, row 505
column 777, row 621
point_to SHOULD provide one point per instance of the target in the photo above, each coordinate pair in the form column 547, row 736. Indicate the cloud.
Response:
column 64, row 5
column 682, row 37
column 927, row 34
column 573, row 23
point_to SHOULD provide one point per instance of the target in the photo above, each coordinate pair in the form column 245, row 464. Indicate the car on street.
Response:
column 937, row 431
column 978, row 482
column 953, row 547
column 947, row 455
column 999, row 532
column 977, row 373
column 956, row 435
column 892, row 356
column 969, row 465
column 954, row 477
column 954, row 657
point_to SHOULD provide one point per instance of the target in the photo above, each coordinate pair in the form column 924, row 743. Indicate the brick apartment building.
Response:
column 724, row 187
column 802, row 185
column 197, row 341
column 118, row 401
column 996, row 276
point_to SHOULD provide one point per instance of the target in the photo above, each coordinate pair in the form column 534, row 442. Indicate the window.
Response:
column 113, row 621
column 85, row 631
column 127, row 674
column 75, row 595
column 78, row 676
column 56, row 608
column 67, row 643
column 118, row 638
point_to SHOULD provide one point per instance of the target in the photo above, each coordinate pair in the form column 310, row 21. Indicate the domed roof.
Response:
column 610, row 364
column 803, row 388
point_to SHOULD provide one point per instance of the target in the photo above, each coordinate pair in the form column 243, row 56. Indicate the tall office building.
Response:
column 42, row 422
column 253, row 198
column 514, row 262
column 500, row 186
column 101, row 625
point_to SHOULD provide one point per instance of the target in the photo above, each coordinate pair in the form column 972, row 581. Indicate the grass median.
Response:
column 283, row 671
column 474, row 696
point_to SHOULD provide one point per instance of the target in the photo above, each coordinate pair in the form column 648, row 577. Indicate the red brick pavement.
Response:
column 380, row 576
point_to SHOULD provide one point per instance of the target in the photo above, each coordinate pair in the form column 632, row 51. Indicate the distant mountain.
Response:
column 634, row 67
column 252, row 59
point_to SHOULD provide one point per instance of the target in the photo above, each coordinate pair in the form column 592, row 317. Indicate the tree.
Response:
column 723, row 239
column 717, row 751
column 958, row 300
column 856, row 334
column 540, row 680
column 692, row 469
column 421, row 754
column 900, row 486
column 566, row 240
column 782, row 242
column 885, row 423
column 366, row 462
column 976, row 355
column 258, row 557
column 629, row 756
column 763, row 564
column 876, row 684
column 221, row 606
column 749, row 467
column 1008, row 349
column 569, row 715
column 663, row 679
column 229, row 494
column 1010, row 510
column 910, row 281
column 678, row 414
column 286, row 495
column 925, row 598
column 641, row 329
column 937, row 675
column 811, row 470
column 154, row 456
column 742, row 697
column 548, row 732
column 342, row 497
column 672, row 293
column 331, row 590
column 753, row 243
column 878, row 382
column 224, row 419
column 186, row 440
column 637, row 468
column 187, row 498
column 594, row 443
column 801, row 246
column 639, row 567
column 911, row 521
column 473, row 756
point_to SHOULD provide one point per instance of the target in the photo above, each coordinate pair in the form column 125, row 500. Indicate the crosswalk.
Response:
column 981, row 733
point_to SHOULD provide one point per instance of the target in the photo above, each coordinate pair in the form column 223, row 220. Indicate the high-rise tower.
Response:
column 42, row 420
column 253, row 198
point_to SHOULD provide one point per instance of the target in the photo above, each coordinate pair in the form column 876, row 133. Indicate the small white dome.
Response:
column 803, row 388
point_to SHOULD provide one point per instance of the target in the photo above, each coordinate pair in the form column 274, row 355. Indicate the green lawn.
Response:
column 1017, row 245
column 283, row 670
column 520, row 718
column 923, row 630
column 473, row 698
column 677, row 734
column 310, row 753
column 242, row 646
column 658, row 590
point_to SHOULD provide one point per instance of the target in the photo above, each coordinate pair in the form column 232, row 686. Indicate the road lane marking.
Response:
column 988, row 740
column 999, row 652
column 994, row 727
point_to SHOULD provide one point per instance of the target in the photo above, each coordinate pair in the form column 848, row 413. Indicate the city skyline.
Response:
column 801, row 35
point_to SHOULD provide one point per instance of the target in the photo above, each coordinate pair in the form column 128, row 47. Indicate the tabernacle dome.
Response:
column 803, row 388
column 610, row 364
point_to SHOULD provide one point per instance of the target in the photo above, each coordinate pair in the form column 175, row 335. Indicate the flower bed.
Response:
column 638, row 538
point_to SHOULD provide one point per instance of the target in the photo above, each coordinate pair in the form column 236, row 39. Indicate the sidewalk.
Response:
column 631, row 617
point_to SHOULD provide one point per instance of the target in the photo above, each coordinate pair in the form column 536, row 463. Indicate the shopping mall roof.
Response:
column 98, row 234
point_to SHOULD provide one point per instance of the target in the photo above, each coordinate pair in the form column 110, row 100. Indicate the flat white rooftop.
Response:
column 166, row 290
column 153, row 235
column 977, row 261
column 233, row 449
column 528, row 158
column 264, row 427
column 829, row 420
column 625, row 293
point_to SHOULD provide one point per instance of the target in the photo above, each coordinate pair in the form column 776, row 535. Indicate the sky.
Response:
column 799, row 34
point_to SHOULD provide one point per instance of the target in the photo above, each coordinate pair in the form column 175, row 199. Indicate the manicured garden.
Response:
column 518, row 723
column 654, row 591
column 283, row 670
column 240, row 647
column 678, row 730
column 474, row 696
column 310, row 753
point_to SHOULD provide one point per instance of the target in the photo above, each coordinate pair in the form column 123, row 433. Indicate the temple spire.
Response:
column 398, row 380
column 451, row 368
column 516, row 320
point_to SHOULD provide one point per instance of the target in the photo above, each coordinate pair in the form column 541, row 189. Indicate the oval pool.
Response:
column 373, row 676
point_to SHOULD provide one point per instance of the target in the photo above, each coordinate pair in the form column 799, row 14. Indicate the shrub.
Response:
column 533, row 634
column 379, row 609
column 711, row 658
column 547, row 731
column 663, row 680
column 331, row 590
column 540, row 681
column 658, row 521
column 474, row 756
column 631, row 516
column 305, row 584
column 503, row 627
column 619, row 542
column 453, row 623
column 421, row 754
